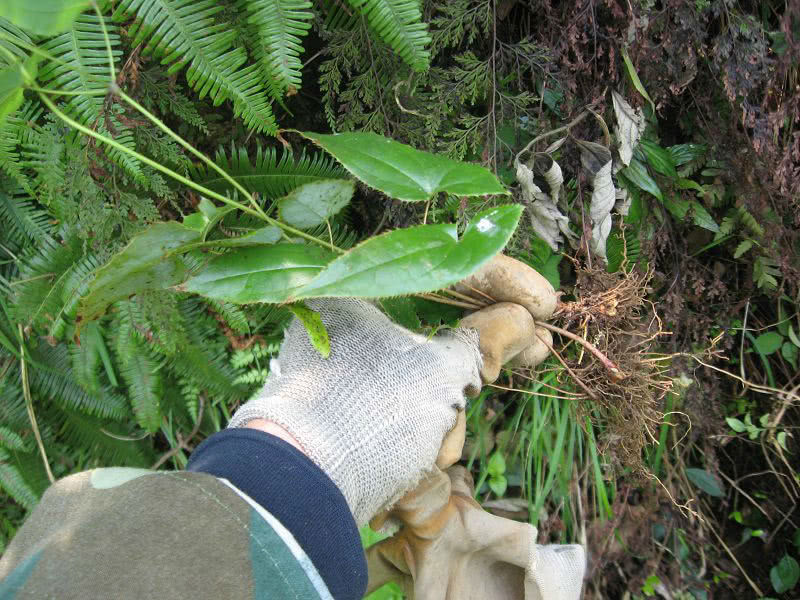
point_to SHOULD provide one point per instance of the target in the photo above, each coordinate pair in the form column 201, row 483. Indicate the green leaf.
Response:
column 789, row 352
column 637, row 174
column 43, row 17
column 793, row 336
column 12, row 80
column 497, row 465
column 402, row 311
column 702, row 218
column 736, row 424
column 743, row 247
column 11, row 92
column 314, row 327
column 689, row 184
column 498, row 485
column 679, row 207
column 148, row 262
column 402, row 172
column 685, row 153
column 260, row 274
column 206, row 217
column 785, row 574
column 659, row 158
column 259, row 237
column 637, row 83
column 768, row 342
column 416, row 259
column 706, row 481
column 313, row 203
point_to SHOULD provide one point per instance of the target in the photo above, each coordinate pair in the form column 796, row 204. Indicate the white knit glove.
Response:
column 373, row 414
column 555, row 572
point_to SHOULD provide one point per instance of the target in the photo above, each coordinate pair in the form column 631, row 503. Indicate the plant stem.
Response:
column 26, row 392
column 111, row 70
column 116, row 145
column 178, row 177
column 97, row 92
column 444, row 300
column 160, row 124
column 538, row 138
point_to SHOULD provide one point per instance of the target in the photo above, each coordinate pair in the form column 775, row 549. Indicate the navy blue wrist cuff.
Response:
column 299, row 494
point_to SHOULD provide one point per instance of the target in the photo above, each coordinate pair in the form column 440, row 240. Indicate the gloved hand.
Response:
column 507, row 329
column 373, row 414
column 449, row 547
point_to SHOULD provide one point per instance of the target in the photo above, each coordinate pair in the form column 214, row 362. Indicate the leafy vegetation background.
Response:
column 685, row 482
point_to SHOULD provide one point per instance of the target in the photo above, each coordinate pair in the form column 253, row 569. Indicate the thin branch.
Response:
column 752, row 583
column 26, row 392
column 547, row 134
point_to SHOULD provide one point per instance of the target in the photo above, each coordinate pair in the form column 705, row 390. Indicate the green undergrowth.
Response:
column 670, row 483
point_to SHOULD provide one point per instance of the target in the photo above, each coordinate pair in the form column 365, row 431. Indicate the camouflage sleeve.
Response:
column 134, row 533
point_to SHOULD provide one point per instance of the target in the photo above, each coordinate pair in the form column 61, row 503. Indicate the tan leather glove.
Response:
column 507, row 329
column 450, row 547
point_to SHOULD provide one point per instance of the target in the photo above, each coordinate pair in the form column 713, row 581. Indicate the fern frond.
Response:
column 167, row 96
column 204, row 355
column 42, row 274
column 269, row 175
column 41, row 151
column 141, row 372
column 749, row 222
column 399, row 23
column 86, row 359
column 75, row 286
column 14, row 484
column 338, row 15
column 11, row 440
column 252, row 377
column 12, row 409
column 59, row 385
column 97, row 438
column 14, row 41
column 277, row 26
column 22, row 221
column 83, row 64
column 242, row 358
column 184, row 31
column 10, row 137
column 233, row 316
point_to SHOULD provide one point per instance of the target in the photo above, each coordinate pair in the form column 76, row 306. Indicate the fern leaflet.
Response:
column 277, row 28
column 267, row 174
column 184, row 31
column 399, row 23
